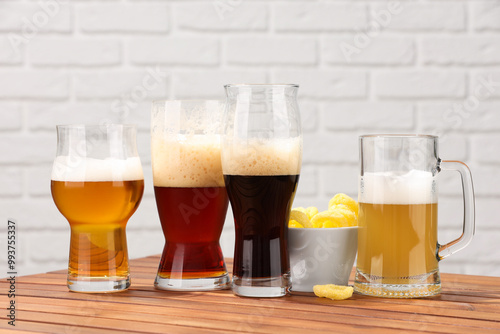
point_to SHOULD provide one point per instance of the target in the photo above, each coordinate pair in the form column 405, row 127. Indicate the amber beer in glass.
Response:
column 261, row 160
column 398, row 250
column 97, row 184
column 190, row 194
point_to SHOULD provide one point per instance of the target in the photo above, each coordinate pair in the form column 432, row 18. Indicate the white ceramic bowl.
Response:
column 321, row 256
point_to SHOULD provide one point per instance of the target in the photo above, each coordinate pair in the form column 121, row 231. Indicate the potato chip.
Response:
column 346, row 200
column 295, row 224
column 329, row 224
column 340, row 206
column 311, row 212
column 332, row 291
column 301, row 209
column 329, row 219
column 300, row 217
column 346, row 212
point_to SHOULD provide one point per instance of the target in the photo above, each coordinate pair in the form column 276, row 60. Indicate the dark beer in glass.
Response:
column 261, row 159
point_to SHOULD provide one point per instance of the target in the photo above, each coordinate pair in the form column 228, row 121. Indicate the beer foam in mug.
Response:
column 80, row 169
column 413, row 187
column 187, row 161
column 263, row 157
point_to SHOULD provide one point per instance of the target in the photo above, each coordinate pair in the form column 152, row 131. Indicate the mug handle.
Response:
column 469, row 224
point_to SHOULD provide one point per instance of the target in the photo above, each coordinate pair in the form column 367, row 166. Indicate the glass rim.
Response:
column 324, row 228
column 262, row 85
column 92, row 126
column 401, row 136
column 187, row 100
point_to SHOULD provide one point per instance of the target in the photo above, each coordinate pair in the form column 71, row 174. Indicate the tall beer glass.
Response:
column 261, row 159
column 97, row 184
column 190, row 195
column 398, row 250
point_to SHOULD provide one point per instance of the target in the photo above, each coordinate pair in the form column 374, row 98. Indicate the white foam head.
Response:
column 413, row 187
column 82, row 169
column 187, row 161
column 262, row 157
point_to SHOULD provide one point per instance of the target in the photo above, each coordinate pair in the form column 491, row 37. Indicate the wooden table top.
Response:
column 468, row 304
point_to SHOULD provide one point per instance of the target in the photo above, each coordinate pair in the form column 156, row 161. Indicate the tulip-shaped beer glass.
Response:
column 97, row 184
column 261, row 159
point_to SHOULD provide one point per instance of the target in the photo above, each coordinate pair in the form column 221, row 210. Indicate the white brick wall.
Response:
column 11, row 116
column 130, row 18
column 34, row 84
column 315, row 17
column 72, row 51
column 9, row 55
column 485, row 15
column 30, row 18
column 326, row 83
column 175, row 51
column 420, row 84
column 363, row 67
column 423, row 16
column 207, row 17
column 271, row 51
column 476, row 50
column 383, row 51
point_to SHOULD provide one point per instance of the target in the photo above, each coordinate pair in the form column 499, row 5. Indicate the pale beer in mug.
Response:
column 397, row 232
column 398, row 250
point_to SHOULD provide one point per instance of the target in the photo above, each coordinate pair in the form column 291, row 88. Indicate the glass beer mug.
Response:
column 398, row 250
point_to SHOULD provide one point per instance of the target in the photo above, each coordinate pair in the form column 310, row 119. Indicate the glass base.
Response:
column 261, row 287
column 426, row 285
column 195, row 284
column 98, row 284
column 398, row 290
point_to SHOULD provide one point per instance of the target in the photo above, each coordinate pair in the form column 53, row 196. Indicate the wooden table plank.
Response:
column 40, row 327
column 44, row 305
column 486, row 312
column 204, row 310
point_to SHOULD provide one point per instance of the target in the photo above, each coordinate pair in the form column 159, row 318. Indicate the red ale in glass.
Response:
column 192, row 221
column 190, row 194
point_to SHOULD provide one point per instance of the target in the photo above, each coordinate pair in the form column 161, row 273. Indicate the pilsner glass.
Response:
column 398, row 250
column 97, row 184
column 190, row 195
column 261, row 159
